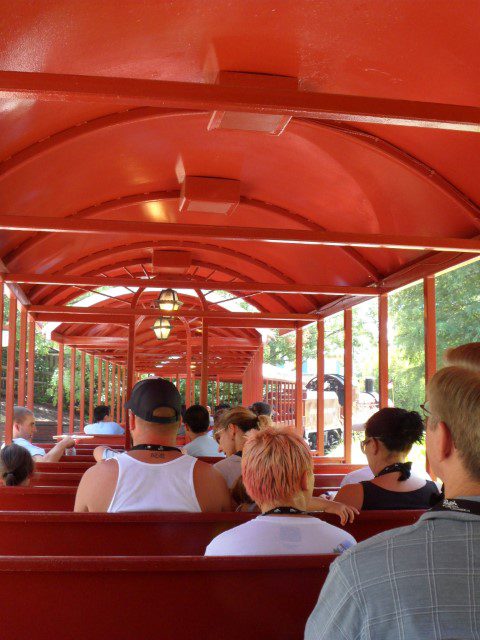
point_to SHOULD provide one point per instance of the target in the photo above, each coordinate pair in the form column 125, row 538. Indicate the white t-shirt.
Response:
column 203, row 446
column 104, row 428
column 279, row 536
column 230, row 468
column 31, row 448
column 361, row 475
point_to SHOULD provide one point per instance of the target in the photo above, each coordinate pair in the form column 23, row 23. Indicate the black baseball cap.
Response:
column 153, row 393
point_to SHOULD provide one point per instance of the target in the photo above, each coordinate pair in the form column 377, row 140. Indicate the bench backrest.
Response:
column 46, row 479
column 63, row 467
column 147, row 533
column 37, row 498
column 179, row 598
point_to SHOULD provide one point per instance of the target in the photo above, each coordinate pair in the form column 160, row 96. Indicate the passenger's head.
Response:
column 466, row 356
column 197, row 419
column 156, row 405
column 16, row 465
column 261, row 408
column 101, row 413
column 23, row 423
column 234, row 426
column 390, row 434
column 222, row 405
column 453, row 424
column 277, row 468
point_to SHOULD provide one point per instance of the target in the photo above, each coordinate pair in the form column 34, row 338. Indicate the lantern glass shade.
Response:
column 168, row 300
column 162, row 328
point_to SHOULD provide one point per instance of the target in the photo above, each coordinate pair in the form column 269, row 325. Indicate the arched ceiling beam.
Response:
column 137, row 92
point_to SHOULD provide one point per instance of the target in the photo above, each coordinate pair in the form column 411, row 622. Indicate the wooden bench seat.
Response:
column 37, row 533
column 158, row 597
column 37, row 498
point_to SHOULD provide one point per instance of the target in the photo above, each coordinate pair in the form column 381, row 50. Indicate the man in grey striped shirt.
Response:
column 420, row 582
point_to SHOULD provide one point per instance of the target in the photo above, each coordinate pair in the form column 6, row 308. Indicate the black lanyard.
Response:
column 154, row 447
column 460, row 506
column 238, row 453
column 284, row 510
column 405, row 469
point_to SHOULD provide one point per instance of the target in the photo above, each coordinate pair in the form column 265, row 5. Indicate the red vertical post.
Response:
column 188, row 363
column 124, row 394
column 82, row 390
column 298, row 380
column 348, row 379
column 119, row 391
column 130, row 376
column 320, row 385
column 204, row 373
column 99, row 380
column 10, row 384
column 383, row 349
column 218, row 389
column 107, row 383
column 177, row 380
column 91, row 387
column 73, row 357
column 22, row 358
column 2, row 299
column 31, row 364
column 61, row 364
column 430, row 330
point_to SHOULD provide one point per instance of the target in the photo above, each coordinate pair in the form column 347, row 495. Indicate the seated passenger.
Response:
column 230, row 434
column 23, row 431
column 102, row 423
column 261, row 408
column 197, row 423
column 154, row 475
column 419, row 582
column 16, row 465
column 389, row 436
column 277, row 471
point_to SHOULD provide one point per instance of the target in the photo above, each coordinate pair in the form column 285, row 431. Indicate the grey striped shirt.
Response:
column 415, row 583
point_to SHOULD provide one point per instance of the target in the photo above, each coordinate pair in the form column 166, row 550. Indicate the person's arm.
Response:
column 337, row 615
column 351, row 494
column 57, row 451
column 98, row 453
column 97, row 487
column 211, row 489
column 345, row 512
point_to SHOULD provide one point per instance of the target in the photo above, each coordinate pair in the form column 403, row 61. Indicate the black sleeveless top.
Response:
column 374, row 497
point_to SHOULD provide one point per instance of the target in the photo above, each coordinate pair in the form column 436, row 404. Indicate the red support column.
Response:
column 218, row 389
column 119, row 391
column 2, row 300
column 124, row 394
column 99, row 380
column 188, row 379
column 31, row 365
column 177, row 381
column 73, row 357
column 10, row 383
column 430, row 324
column 22, row 358
column 204, row 378
column 130, row 376
column 298, row 380
column 383, row 350
column 107, row 383
column 82, row 390
column 320, row 385
column 348, row 379
column 61, row 364
column 91, row 387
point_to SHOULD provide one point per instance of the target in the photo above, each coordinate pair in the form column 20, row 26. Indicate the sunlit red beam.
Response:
column 250, row 234
column 135, row 92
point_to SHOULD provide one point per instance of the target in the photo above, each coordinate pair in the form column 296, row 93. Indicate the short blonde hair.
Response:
column 274, row 461
column 454, row 395
column 466, row 355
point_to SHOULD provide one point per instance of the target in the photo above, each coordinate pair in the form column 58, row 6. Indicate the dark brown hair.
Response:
column 17, row 464
column 398, row 429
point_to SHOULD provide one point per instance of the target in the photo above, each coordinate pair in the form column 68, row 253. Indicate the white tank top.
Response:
column 166, row 486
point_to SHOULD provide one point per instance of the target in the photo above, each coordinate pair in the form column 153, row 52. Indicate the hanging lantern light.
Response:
column 162, row 328
column 168, row 300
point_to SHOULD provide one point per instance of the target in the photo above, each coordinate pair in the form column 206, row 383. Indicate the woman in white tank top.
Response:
column 154, row 487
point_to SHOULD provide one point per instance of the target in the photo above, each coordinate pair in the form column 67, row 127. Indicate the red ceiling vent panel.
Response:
column 262, row 122
column 209, row 195
column 174, row 262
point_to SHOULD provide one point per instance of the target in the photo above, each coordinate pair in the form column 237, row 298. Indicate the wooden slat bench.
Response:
column 158, row 597
column 37, row 498
column 37, row 533
column 63, row 467
column 45, row 479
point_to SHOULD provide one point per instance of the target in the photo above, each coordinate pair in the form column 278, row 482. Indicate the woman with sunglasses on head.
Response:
column 389, row 436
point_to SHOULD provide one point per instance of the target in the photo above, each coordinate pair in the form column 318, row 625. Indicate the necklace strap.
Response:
column 284, row 510
column 458, row 505
column 238, row 453
column 404, row 468
column 154, row 447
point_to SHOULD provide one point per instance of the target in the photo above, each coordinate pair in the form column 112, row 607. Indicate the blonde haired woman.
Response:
column 277, row 469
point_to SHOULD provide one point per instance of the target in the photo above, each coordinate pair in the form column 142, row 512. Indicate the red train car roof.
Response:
column 308, row 153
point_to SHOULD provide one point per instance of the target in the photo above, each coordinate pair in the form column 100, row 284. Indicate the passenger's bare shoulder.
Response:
column 101, row 471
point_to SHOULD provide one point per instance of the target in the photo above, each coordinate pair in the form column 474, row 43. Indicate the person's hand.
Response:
column 68, row 441
column 345, row 512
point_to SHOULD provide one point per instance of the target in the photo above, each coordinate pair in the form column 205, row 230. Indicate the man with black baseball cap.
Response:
column 154, row 475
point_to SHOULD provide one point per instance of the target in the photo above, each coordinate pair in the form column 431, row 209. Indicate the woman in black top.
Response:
column 389, row 436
